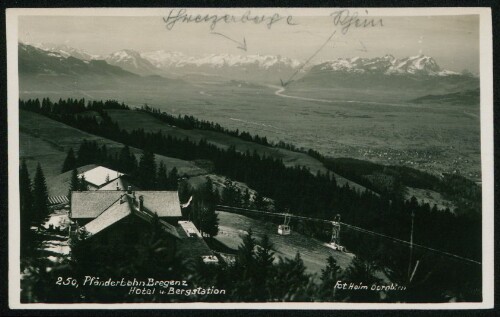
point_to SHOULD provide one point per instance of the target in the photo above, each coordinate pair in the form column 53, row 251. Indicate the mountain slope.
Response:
column 33, row 60
column 387, row 65
column 41, row 70
column 240, row 67
column 133, row 62
column 408, row 77
column 46, row 141
column 65, row 51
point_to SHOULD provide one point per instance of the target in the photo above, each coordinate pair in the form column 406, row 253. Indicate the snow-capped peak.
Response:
column 64, row 50
column 388, row 64
column 166, row 59
column 132, row 61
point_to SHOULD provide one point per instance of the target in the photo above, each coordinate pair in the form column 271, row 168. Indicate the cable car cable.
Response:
column 353, row 228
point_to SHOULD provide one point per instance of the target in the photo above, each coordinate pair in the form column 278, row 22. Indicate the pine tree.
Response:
column 173, row 178
column 74, row 183
column 289, row 281
column 329, row 276
column 331, row 271
column 246, row 199
column 69, row 161
column 264, row 257
column 126, row 160
column 40, row 195
column 207, row 194
column 83, row 184
column 83, row 153
column 362, row 271
column 26, row 198
column 231, row 194
column 258, row 202
column 103, row 155
column 246, row 252
column 147, row 170
column 162, row 178
column 209, row 221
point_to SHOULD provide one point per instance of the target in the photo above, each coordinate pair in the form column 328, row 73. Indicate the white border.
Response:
column 486, row 81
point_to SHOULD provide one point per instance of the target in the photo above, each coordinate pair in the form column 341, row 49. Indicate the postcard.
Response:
column 242, row 158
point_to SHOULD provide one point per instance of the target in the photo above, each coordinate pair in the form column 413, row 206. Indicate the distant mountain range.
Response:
column 387, row 65
column 416, row 75
column 166, row 63
column 151, row 63
column 40, row 69
column 37, row 61
column 242, row 67
column 65, row 51
column 419, row 73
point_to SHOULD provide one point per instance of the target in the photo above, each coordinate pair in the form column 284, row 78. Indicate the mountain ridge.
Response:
column 252, row 66
column 387, row 65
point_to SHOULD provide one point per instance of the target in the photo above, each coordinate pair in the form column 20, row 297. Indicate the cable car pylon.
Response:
column 335, row 239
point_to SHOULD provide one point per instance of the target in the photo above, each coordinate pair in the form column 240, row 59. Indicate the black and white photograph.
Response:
column 305, row 158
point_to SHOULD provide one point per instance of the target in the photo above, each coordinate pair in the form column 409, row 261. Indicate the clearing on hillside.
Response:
column 232, row 227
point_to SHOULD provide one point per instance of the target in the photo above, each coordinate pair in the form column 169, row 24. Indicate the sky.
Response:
column 453, row 41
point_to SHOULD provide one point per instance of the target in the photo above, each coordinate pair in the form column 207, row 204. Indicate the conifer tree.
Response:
column 26, row 198
column 147, row 170
column 264, row 257
column 329, row 276
column 362, row 271
column 74, row 183
column 126, row 160
column 259, row 202
column 173, row 178
column 231, row 194
column 246, row 199
column 40, row 195
column 209, row 221
column 69, row 161
column 162, row 178
column 83, row 183
column 245, row 258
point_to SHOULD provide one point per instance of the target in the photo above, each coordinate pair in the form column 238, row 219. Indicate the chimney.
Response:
column 141, row 202
column 122, row 199
column 129, row 190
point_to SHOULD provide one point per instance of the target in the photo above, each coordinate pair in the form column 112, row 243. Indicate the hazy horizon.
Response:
column 453, row 41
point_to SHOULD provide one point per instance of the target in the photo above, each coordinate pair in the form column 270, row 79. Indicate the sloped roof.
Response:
column 163, row 203
column 190, row 229
column 89, row 204
column 191, row 247
column 148, row 216
column 121, row 209
column 116, row 212
column 121, row 182
column 100, row 175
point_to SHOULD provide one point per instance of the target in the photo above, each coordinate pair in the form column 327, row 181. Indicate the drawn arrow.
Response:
column 286, row 83
column 364, row 47
column 241, row 45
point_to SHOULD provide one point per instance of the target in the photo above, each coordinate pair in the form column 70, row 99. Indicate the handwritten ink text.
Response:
column 181, row 16
column 346, row 20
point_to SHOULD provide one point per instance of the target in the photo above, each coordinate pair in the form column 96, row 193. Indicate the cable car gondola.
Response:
column 284, row 229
